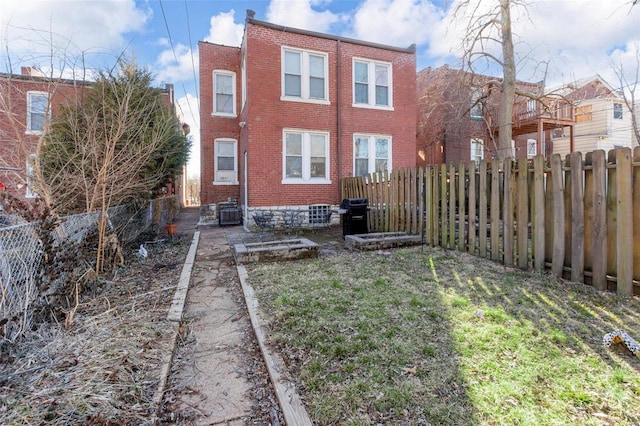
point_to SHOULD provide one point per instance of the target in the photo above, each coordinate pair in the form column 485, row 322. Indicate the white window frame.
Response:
column 532, row 148
column 476, row 110
column 306, row 158
column 371, row 154
column 30, row 111
column 226, row 73
column 371, row 86
column 618, row 115
column 30, row 176
column 305, row 95
column 217, row 175
column 477, row 150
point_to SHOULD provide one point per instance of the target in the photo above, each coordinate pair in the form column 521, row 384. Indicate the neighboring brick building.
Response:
column 458, row 117
column 27, row 102
column 294, row 112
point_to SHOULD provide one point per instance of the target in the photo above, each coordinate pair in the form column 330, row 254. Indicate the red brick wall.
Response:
column 216, row 57
column 268, row 115
column 15, row 144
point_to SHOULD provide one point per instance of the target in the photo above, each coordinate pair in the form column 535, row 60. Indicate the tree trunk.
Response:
column 508, row 83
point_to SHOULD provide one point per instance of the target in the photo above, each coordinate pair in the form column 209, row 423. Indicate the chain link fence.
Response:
column 23, row 257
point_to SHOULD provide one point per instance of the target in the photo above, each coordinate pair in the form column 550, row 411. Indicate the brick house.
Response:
column 290, row 113
column 27, row 102
column 458, row 117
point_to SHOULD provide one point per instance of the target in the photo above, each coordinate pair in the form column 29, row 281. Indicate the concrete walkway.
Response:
column 207, row 362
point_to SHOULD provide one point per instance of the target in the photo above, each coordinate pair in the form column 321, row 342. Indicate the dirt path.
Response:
column 218, row 375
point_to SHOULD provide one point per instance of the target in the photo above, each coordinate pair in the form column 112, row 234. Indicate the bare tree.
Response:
column 629, row 82
column 118, row 145
column 485, row 30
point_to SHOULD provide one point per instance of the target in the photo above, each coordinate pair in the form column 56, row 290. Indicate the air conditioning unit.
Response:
column 229, row 213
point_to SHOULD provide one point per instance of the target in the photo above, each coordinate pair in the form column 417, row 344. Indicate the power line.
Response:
column 193, row 65
column 175, row 56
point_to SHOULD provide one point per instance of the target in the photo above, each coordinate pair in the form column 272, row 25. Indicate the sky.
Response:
column 557, row 41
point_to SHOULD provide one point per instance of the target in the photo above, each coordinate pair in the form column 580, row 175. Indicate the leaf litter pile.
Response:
column 103, row 367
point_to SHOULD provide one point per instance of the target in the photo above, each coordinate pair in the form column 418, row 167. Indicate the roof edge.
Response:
column 251, row 20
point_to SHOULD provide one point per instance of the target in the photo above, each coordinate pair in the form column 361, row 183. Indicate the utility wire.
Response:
column 166, row 24
column 193, row 65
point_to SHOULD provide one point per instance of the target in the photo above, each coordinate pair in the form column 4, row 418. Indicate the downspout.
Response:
column 339, row 118
column 246, row 192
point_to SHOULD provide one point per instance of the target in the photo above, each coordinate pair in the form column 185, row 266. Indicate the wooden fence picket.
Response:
column 579, row 218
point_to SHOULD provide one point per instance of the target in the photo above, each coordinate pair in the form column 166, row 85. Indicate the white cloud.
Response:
column 576, row 38
column 224, row 30
column 34, row 28
column 168, row 70
column 300, row 14
column 396, row 22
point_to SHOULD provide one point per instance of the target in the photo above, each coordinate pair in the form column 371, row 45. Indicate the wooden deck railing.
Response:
column 579, row 217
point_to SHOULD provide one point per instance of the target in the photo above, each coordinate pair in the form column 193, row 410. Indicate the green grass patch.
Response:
column 427, row 337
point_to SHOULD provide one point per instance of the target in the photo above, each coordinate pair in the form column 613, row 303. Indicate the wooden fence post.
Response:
column 598, row 196
column 507, row 214
column 577, row 217
column 471, row 247
column 461, row 206
column 482, row 238
column 495, row 209
column 522, row 215
column 538, row 213
column 624, row 227
column 557, row 262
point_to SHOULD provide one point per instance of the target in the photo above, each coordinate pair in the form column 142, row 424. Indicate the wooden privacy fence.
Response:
column 579, row 217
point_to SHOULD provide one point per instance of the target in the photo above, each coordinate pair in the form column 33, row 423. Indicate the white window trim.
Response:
column 621, row 111
column 306, row 158
column 372, row 151
column 474, row 142
column 47, row 112
column 215, row 162
column 233, row 85
column 371, row 85
column 304, row 69
column 476, row 104
column 532, row 146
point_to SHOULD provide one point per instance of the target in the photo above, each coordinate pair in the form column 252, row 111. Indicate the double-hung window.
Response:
column 476, row 112
column 372, row 84
column 532, row 148
column 477, row 150
column 304, row 76
column 226, row 162
column 224, row 89
column 371, row 153
column 306, row 157
column 38, row 111
column 617, row 111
